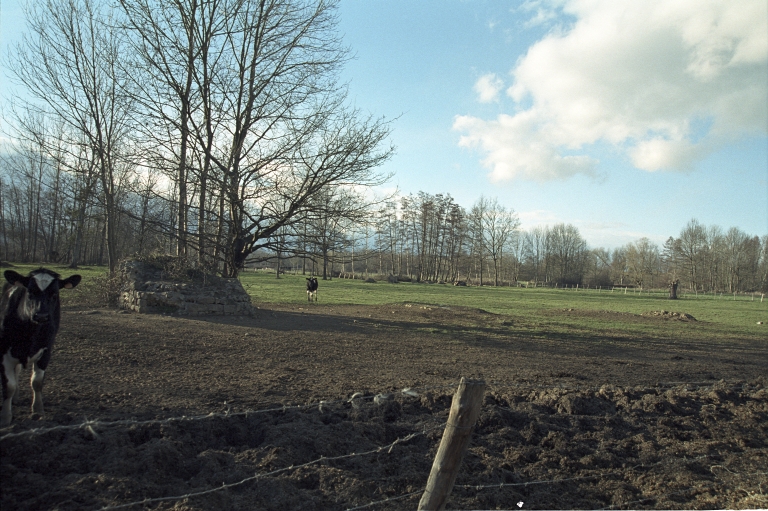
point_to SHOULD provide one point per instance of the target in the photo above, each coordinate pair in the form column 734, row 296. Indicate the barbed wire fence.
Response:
column 357, row 399
column 91, row 425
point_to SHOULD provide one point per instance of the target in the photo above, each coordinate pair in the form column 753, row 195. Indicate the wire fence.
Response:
column 682, row 293
column 600, row 475
column 94, row 427
column 388, row 448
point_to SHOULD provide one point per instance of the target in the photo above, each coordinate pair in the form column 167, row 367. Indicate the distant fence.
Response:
column 660, row 292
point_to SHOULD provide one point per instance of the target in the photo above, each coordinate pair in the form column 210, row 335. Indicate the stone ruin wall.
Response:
column 148, row 289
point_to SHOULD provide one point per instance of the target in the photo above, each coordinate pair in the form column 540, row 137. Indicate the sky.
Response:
column 626, row 119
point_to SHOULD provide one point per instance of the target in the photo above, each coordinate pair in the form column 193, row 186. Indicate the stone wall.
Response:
column 149, row 288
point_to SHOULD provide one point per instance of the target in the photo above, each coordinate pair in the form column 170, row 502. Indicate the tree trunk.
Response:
column 673, row 290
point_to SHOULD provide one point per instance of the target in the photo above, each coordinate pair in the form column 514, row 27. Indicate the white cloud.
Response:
column 661, row 154
column 542, row 13
column 488, row 87
column 514, row 148
column 641, row 76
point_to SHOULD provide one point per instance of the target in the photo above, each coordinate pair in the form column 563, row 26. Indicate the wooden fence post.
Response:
column 465, row 409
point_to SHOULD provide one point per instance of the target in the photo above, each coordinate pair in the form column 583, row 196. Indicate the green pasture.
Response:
column 539, row 311
column 87, row 272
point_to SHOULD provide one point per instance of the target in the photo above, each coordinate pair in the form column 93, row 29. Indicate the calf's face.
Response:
column 40, row 303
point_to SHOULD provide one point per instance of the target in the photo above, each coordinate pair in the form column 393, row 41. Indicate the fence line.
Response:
column 556, row 481
column 663, row 292
column 322, row 459
column 91, row 425
column 355, row 401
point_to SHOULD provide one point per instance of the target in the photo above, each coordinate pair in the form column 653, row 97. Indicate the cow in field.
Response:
column 311, row 288
column 30, row 313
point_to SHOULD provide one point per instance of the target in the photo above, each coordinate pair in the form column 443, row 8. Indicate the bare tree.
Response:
column 690, row 245
column 496, row 226
column 566, row 251
column 275, row 128
column 643, row 261
column 172, row 44
column 69, row 63
column 598, row 272
column 534, row 248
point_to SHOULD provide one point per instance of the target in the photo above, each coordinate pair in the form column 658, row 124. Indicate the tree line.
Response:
column 218, row 131
column 431, row 238
column 207, row 128
column 423, row 237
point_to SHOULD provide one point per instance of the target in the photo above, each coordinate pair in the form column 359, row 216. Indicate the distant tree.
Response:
column 690, row 245
column 332, row 212
column 762, row 266
column 619, row 267
column 534, row 242
column 735, row 244
column 671, row 259
column 643, row 261
column 566, row 253
column 497, row 226
column 599, row 268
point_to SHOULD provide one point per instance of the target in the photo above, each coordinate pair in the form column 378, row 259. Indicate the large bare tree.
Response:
column 173, row 45
column 253, row 84
column 286, row 134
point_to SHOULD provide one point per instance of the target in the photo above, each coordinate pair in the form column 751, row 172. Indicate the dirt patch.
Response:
column 187, row 405
column 680, row 316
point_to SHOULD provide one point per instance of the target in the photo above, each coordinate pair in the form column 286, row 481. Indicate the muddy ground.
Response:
column 184, row 406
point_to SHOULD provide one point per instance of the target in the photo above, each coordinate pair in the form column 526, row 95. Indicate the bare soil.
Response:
column 568, row 421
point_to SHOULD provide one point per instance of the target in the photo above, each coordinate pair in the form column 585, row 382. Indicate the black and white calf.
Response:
column 311, row 288
column 30, row 313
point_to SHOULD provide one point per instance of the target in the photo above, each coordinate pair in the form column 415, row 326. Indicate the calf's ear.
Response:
column 70, row 282
column 15, row 278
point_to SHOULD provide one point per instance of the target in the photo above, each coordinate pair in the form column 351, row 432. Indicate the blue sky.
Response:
column 624, row 118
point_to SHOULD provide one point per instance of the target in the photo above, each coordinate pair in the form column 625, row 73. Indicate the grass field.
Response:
column 549, row 311
column 543, row 309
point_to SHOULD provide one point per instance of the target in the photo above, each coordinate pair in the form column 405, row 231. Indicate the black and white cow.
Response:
column 311, row 288
column 30, row 313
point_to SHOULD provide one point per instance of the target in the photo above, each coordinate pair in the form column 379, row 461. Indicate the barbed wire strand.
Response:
column 376, row 503
column 90, row 425
column 555, row 481
column 224, row 486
